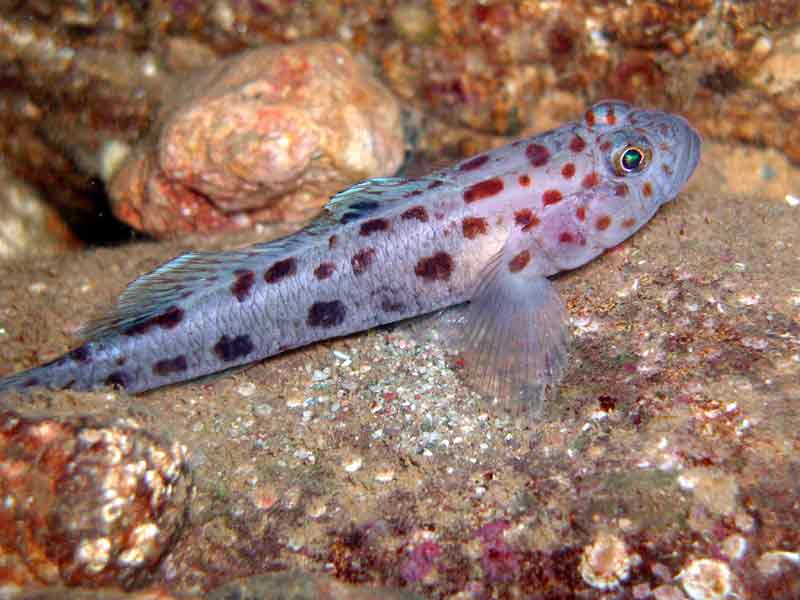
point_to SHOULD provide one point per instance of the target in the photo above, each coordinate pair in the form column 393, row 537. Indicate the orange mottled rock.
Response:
column 266, row 135
column 86, row 503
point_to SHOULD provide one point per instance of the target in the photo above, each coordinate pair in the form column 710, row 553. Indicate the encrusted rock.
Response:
column 86, row 503
column 266, row 135
column 606, row 562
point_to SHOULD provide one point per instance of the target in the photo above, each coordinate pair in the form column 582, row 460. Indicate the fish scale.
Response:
column 481, row 237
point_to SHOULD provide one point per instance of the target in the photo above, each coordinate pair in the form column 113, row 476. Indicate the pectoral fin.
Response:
column 512, row 338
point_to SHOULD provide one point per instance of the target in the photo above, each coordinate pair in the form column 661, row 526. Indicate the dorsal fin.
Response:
column 184, row 279
column 378, row 195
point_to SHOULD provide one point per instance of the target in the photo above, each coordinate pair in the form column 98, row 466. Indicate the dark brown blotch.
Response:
column 118, row 379
column 483, row 189
column 326, row 314
column 362, row 260
column 242, row 284
column 550, row 197
column 474, row 163
column 526, row 219
column 281, row 270
column 229, row 349
column 435, row 268
column 324, row 270
column 364, row 205
column 416, row 212
column 537, row 154
column 373, row 226
column 83, row 354
column 169, row 366
column 519, row 262
column 472, row 227
column 169, row 319
column 577, row 144
column 647, row 189
column 591, row 180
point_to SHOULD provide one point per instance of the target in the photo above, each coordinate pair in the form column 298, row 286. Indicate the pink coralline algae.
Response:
column 420, row 561
column 499, row 560
column 266, row 135
column 86, row 503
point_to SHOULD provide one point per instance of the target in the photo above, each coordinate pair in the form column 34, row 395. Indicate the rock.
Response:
column 302, row 586
column 29, row 226
column 266, row 135
column 86, row 503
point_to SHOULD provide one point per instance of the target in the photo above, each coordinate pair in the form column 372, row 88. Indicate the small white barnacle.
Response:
column 707, row 579
column 605, row 562
column 94, row 553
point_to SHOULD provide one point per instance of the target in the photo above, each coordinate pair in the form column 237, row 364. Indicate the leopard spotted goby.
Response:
column 483, row 236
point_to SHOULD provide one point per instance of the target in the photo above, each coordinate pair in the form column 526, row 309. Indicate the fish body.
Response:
column 484, row 234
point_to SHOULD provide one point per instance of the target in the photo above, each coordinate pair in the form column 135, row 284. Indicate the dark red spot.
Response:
column 524, row 180
column 81, row 355
column 611, row 118
column 412, row 194
column 168, row 366
column 603, row 222
column 229, row 349
column 526, row 219
column 120, row 361
column 551, row 197
column 577, row 144
column 621, row 190
column 118, row 379
column 416, row 212
column 605, row 146
column 474, row 163
column 434, row 184
column 483, row 189
column 326, row 314
column 243, row 284
column 566, row 237
column 519, row 262
column 166, row 320
column 280, row 270
column 647, row 189
column 435, row 268
column 590, row 118
column 324, row 270
column 590, row 180
column 628, row 223
column 373, row 226
column 580, row 213
column 666, row 168
column 537, row 154
column 472, row 227
column 332, row 242
column 568, row 171
column 362, row 260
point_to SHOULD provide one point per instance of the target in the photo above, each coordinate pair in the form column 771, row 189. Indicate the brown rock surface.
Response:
column 267, row 135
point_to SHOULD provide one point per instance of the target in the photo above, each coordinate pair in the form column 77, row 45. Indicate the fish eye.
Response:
column 631, row 159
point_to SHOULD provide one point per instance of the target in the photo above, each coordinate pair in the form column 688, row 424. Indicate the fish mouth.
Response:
column 690, row 157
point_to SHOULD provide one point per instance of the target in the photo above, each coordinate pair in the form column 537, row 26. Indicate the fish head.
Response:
column 651, row 153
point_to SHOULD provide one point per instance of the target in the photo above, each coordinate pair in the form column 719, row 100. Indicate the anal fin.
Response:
column 512, row 338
